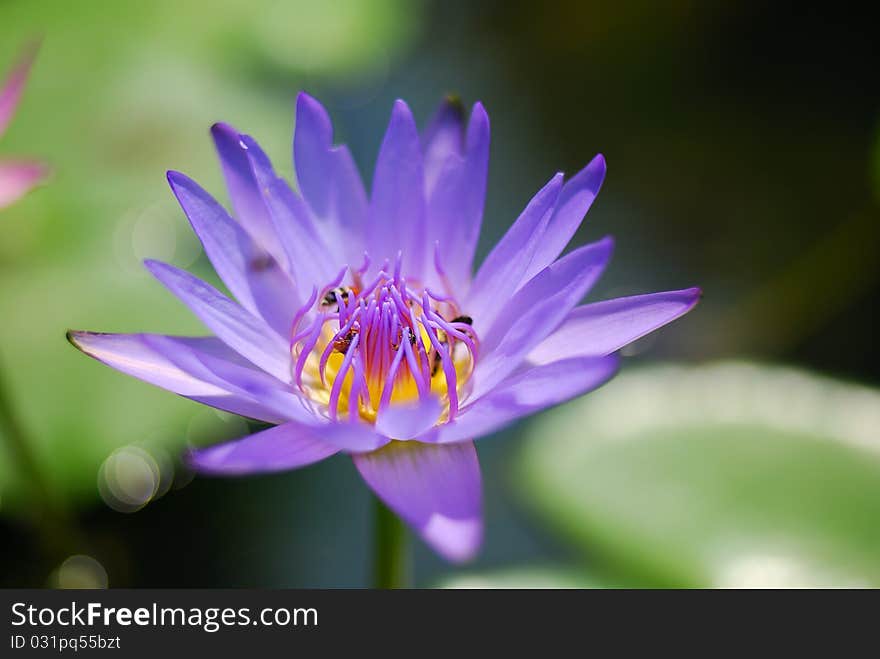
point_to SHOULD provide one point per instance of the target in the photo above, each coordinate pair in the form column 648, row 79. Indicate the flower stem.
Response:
column 20, row 446
column 58, row 533
column 390, row 559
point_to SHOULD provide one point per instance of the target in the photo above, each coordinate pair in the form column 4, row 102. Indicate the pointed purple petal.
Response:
column 396, row 221
column 13, row 86
column 575, row 200
column 202, row 369
column 604, row 327
column 435, row 489
column 457, row 195
column 252, row 274
column 527, row 392
column 311, row 262
column 501, row 272
column 443, row 139
column 18, row 178
column 246, row 334
column 409, row 420
column 284, row 447
column 538, row 308
column 244, row 193
column 329, row 180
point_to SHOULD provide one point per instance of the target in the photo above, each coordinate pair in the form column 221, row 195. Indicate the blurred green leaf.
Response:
column 119, row 93
column 729, row 474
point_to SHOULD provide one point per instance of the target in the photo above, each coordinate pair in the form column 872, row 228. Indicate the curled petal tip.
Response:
column 79, row 339
column 71, row 336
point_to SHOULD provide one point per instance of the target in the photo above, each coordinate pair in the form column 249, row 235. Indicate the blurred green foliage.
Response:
column 729, row 474
column 119, row 93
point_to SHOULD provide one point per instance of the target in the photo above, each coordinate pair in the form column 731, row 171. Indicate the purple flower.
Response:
column 358, row 327
column 17, row 177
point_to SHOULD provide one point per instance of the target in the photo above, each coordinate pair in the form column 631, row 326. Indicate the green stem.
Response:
column 390, row 559
column 21, row 448
column 59, row 536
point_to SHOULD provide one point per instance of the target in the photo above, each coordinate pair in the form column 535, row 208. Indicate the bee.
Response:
column 343, row 343
column 443, row 340
column 329, row 299
column 261, row 263
column 409, row 334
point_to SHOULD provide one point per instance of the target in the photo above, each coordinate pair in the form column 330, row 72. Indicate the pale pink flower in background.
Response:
column 17, row 176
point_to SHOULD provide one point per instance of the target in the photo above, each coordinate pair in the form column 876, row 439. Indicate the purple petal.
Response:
column 352, row 436
column 435, row 489
column 575, row 200
column 252, row 274
column 10, row 93
column 202, row 369
column 244, row 193
column 500, row 274
column 329, row 180
column 409, row 420
column 604, row 327
column 442, row 140
column 288, row 446
column 312, row 262
column 236, row 327
column 527, row 392
column 18, row 178
column 535, row 310
column 396, row 221
column 457, row 194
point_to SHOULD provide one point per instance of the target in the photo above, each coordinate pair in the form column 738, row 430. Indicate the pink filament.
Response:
column 379, row 328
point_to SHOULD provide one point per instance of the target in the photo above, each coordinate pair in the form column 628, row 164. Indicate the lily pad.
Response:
column 728, row 474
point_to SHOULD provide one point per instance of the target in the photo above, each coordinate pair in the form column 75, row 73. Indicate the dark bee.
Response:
column 410, row 335
column 342, row 344
column 329, row 299
column 261, row 263
column 438, row 362
column 467, row 320
column 443, row 340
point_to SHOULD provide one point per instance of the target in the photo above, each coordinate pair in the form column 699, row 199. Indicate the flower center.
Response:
column 365, row 346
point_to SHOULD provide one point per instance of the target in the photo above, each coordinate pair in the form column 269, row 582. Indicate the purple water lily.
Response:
column 358, row 326
column 17, row 177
